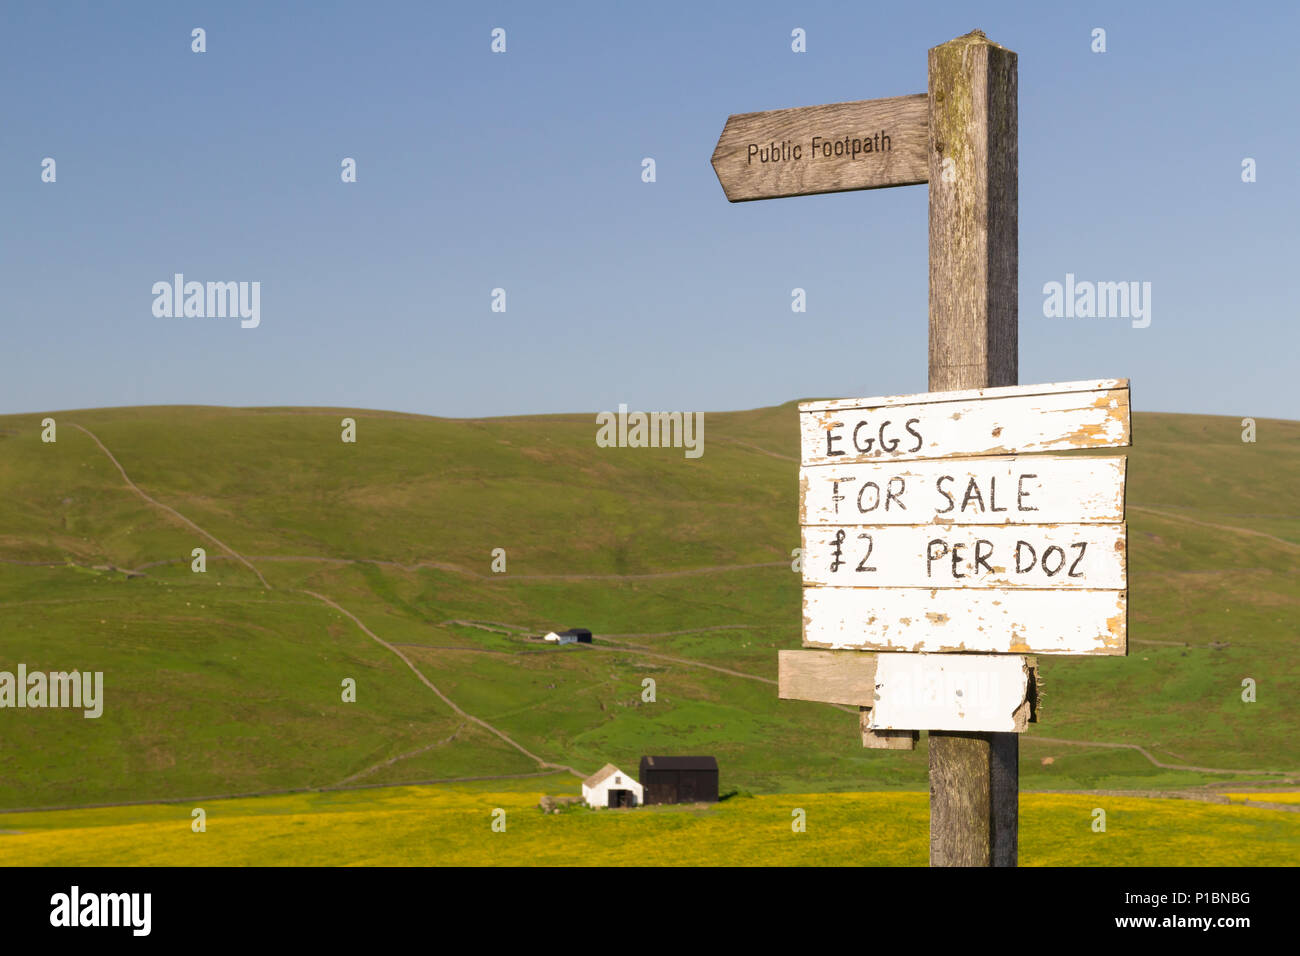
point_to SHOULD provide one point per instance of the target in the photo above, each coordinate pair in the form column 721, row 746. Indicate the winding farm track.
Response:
column 1220, row 527
column 342, row 610
column 1145, row 753
column 168, row 509
column 441, row 696
column 457, row 569
column 548, row 766
column 392, row 760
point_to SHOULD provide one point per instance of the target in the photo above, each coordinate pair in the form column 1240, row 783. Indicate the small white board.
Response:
column 991, row 421
column 1038, row 489
column 1088, row 556
column 962, row 692
column 993, row 621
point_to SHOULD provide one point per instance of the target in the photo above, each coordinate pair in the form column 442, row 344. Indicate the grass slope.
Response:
column 216, row 685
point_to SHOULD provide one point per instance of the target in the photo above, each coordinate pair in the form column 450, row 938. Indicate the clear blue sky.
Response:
column 523, row 171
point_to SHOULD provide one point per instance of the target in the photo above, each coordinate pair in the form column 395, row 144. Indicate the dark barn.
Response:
column 679, row 779
column 581, row 633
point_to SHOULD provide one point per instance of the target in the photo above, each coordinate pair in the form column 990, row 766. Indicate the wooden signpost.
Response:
column 943, row 549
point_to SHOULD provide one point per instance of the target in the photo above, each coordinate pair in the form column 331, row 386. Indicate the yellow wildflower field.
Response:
column 1263, row 796
column 452, row 826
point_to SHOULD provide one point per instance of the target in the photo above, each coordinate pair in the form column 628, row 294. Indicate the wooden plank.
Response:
column 865, row 144
column 971, row 693
column 886, row 739
column 829, row 677
column 838, row 677
column 971, row 620
column 1051, row 418
column 964, row 395
column 1043, row 489
column 1082, row 556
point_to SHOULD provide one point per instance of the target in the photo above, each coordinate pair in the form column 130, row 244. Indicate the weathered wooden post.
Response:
column 927, row 538
column 974, row 778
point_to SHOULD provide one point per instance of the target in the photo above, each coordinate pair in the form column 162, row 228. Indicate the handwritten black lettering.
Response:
column 1021, row 494
column 838, row 555
column 1082, row 546
column 875, row 504
column 862, row 565
column 861, row 448
column 914, row 433
column 893, row 441
column 938, row 484
column 1033, row 557
column 896, row 497
column 931, row 556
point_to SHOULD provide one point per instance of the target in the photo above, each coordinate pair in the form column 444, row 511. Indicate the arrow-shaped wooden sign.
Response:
column 824, row 149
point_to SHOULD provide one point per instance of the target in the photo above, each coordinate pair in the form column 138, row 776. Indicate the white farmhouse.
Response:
column 611, row 787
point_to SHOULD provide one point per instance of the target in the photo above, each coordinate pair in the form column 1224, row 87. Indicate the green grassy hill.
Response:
column 229, row 682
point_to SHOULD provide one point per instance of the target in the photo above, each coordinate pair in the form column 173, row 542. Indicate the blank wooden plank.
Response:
column 1083, row 556
column 886, row 739
column 972, row 620
column 838, row 677
column 1004, row 421
column 829, row 677
column 865, row 144
column 975, row 693
column 1042, row 489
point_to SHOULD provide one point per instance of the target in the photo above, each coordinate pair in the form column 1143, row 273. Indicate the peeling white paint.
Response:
column 970, row 692
column 944, row 424
column 1028, row 556
column 1039, row 489
column 974, row 620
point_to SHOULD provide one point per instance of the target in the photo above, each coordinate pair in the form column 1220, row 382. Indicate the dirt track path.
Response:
column 168, row 509
column 1219, row 527
column 1144, row 752
column 392, row 760
column 342, row 610
column 441, row 696
column 457, row 569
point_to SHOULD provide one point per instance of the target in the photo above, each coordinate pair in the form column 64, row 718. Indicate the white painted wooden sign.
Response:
column 990, row 421
column 990, row 621
column 927, row 529
column 1043, row 489
column 904, row 692
column 1030, row 556
column 960, row 692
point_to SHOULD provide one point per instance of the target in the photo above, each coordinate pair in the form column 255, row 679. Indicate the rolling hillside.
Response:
column 372, row 561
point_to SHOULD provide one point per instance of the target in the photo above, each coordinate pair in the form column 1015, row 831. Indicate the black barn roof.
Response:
column 679, row 763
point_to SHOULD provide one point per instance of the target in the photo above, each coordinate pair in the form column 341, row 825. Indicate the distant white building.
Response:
column 611, row 787
column 574, row 635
